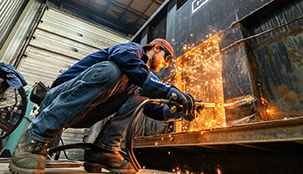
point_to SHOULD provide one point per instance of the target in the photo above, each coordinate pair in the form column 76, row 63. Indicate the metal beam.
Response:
column 88, row 2
column 107, row 6
column 125, row 10
column 144, row 12
column 150, row 19
column 105, row 20
column 156, row 2
column 123, row 6
column 263, row 132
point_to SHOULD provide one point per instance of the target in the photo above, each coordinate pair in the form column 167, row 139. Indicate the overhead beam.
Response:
column 150, row 19
column 107, row 6
column 156, row 2
column 104, row 20
column 143, row 12
column 123, row 6
column 125, row 10
column 87, row 4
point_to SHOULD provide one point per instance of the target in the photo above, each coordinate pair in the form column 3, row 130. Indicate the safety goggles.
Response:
column 167, row 55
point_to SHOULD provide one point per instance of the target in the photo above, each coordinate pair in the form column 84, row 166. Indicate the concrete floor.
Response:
column 4, row 163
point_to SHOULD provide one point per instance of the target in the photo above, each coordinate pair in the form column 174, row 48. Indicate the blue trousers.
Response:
column 84, row 100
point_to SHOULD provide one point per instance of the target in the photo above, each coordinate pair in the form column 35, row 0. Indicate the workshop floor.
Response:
column 4, row 163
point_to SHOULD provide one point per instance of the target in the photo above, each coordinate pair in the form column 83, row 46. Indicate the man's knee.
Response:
column 107, row 70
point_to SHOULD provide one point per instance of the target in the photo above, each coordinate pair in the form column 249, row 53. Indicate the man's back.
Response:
column 129, row 52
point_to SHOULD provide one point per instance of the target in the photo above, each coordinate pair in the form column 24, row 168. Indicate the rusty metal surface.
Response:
column 277, row 62
column 264, row 132
column 236, row 74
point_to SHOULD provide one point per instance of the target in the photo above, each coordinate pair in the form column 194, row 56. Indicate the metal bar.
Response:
column 125, row 10
column 144, row 12
column 88, row 3
column 150, row 19
column 135, row 12
column 105, row 20
column 107, row 6
column 264, row 132
column 156, row 2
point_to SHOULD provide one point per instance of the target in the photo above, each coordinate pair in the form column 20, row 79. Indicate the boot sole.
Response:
column 93, row 167
column 97, row 168
column 122, row 171
column 17, row 170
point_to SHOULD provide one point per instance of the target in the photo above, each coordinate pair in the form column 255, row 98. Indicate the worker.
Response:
column 110, row 81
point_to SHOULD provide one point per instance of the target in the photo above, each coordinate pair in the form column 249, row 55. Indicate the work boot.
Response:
column 98, row 158
column 29, row 156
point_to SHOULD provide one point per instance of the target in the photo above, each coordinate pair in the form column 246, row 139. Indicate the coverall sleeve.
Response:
column 128, row 57
column 154, row 111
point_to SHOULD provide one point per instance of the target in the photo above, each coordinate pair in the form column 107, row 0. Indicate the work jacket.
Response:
column 130, row 58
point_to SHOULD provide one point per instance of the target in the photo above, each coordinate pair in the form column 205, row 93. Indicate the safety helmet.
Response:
column 165, row 46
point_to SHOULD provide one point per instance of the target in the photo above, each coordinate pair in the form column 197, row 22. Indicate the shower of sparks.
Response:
column 198, row 72
column 247, row 99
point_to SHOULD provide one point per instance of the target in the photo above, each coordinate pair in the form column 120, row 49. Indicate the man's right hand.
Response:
column 180, row 97
column 154, row 88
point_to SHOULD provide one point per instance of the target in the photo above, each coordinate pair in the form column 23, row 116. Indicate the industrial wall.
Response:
column 9, row 14
column 17, row 29
column 59, row 41
column 44, row 42
column 254, row 46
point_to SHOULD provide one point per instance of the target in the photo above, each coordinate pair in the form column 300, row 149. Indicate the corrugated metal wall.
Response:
column 17, row 35
column 9, row 12
column 59, row 41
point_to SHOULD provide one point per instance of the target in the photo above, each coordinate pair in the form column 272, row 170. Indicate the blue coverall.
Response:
column 103, row 83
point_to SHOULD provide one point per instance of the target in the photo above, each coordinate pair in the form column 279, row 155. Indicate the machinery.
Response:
column 13, row 104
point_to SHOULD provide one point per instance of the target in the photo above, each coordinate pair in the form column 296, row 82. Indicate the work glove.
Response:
column 172, row 116
column 189, row 108
column 187, row 111
column 179, row 113
column 179, row 96
column 154, row 88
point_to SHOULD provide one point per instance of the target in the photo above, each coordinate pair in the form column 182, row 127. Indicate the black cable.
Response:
column 131, row 129
column 61, row 140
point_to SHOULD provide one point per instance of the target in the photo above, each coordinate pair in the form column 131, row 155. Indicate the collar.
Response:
column 144, row 57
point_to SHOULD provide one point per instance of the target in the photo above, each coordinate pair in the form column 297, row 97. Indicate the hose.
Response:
column 130, row 132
